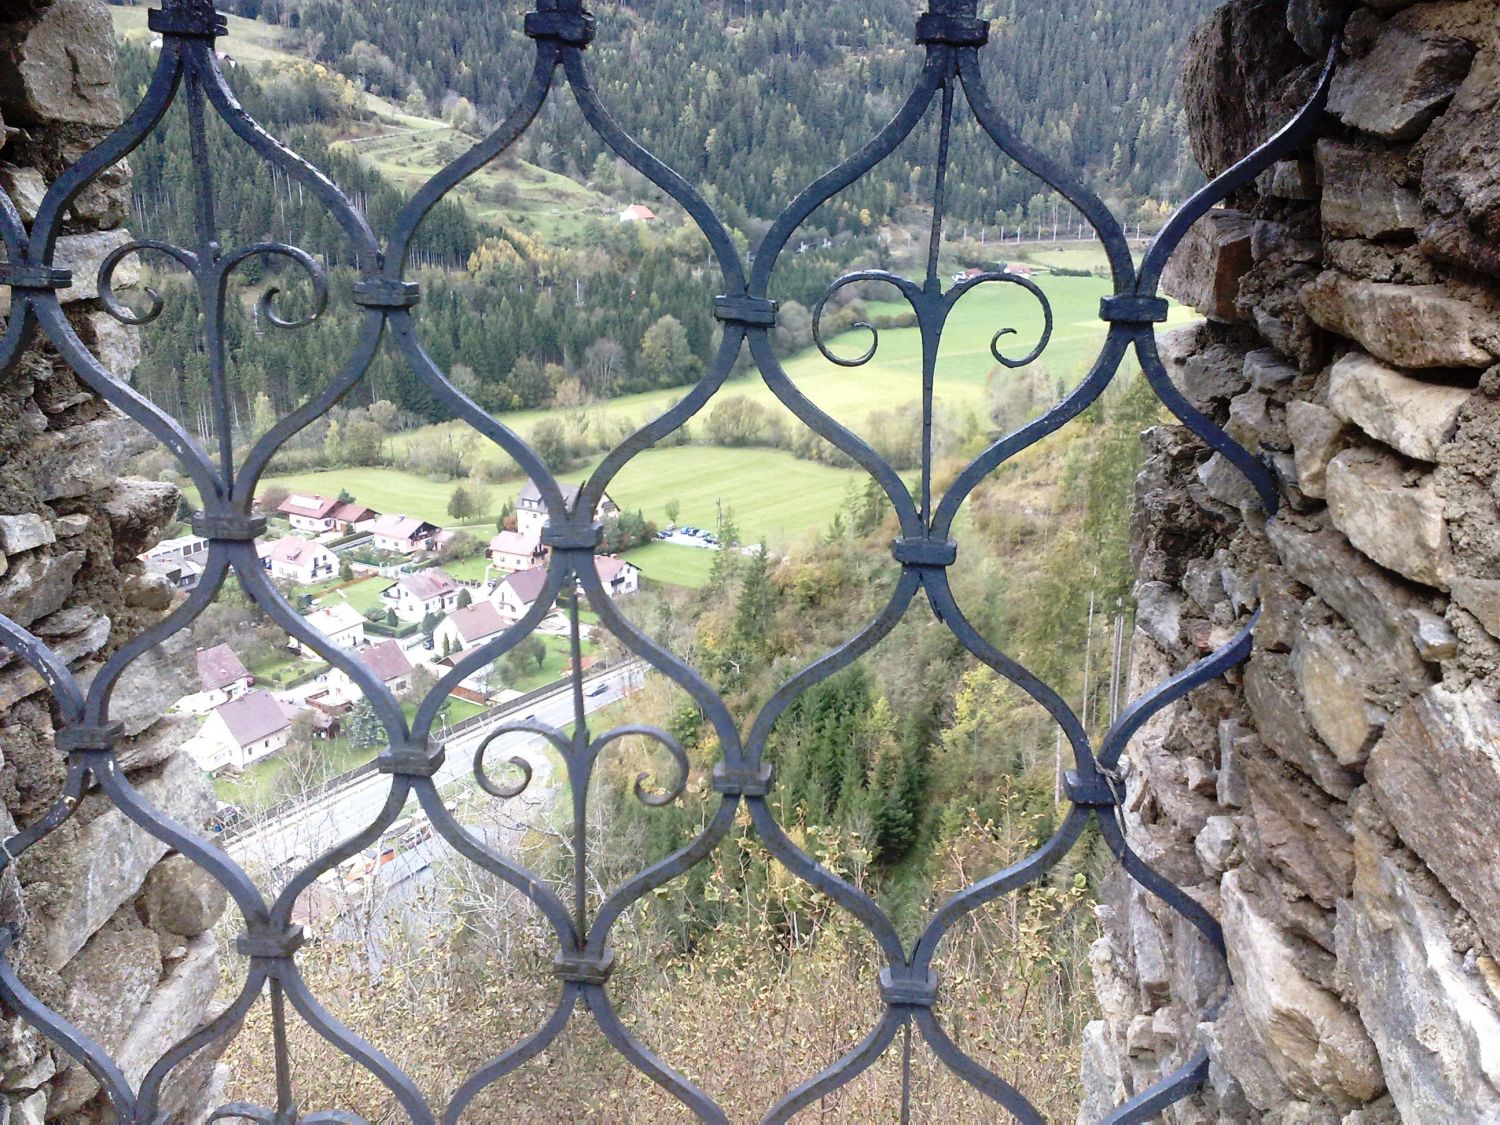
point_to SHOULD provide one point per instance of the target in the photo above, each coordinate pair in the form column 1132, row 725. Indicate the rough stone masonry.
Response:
column 1336, row 804
column 115, row 928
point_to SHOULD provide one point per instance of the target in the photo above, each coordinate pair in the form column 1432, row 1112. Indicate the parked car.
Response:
column 600, row 690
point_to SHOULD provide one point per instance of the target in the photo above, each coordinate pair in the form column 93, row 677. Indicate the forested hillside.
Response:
column 760, row 98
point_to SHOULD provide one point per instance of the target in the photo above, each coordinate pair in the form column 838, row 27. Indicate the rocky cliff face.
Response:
column 1336, row 802
column 114, row 929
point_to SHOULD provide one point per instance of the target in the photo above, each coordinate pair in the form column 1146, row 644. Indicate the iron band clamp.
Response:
column 264, row 942
column 71, row 740
column 386, row 293
column 229, row 527
column 936, row 553
column 573, row 29
column 1094, row 792
column 750, row 312
column 414, row 759
column 941, row 28
column 743, row 781
column 580, row 968
column 192, row 20
column 1129, row 308
column 19, row 275
column 908, row 991
column 572, row 536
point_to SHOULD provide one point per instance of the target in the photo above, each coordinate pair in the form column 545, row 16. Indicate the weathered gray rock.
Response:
column 174, row 1009
column 1266, row 370
column 1296, row 828
column 1481, row 597
column 1159, row 613
column 60, row 67
column 1281, row 720
column 1317, row 436
column 1461, row 178
column 1335, row 677
column 182, row 898
column 1361, row 195
column 1436, row 773
column 90, row 871
column 1399, row 525
column 84, row 254
column 23, row 532
column 1428, row 1012
column 26, row 188
column 1205, row 271
column 1317, row 1046
column 107, row 983
column 1223, row 481
column 1415, row 416
column 154, row 682
column 1218, row 844
column 87, row 458
column 37, row 584
column 1410, row 326
column 1396, row 90
column 1356, row 589
column 1433, row 636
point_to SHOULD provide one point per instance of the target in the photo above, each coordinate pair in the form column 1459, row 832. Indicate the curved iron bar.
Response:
column 94, row 1058
column 222, row 1024
column 646, row 1062
column 515, row 1057
column 117, row 308
column 317, row 1017
column 838, row 1073
column 482, row 778
column 986, row 1081
column 75, row 785
column 45, row 663
column 907, row 288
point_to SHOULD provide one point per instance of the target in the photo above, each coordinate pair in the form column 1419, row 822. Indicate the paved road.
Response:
column 307, row 832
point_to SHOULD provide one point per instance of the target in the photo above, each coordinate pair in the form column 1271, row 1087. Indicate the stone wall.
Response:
column 1336, row 802
column 114, row 929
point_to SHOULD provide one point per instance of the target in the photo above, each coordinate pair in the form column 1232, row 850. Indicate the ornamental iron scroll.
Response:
column 188, row 69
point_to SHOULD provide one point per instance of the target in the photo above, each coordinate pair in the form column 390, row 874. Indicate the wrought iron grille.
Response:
column 951, row 35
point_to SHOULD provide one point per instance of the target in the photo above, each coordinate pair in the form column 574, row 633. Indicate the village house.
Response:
column 511, row 551
column 309, row 512
column 341, row 623
column 221, row 676
column 403, row 535
column 388, row 660
column 298, row 560
column 469, row 627
column 414, row 596
column 180, row 561
column 241, row 732
column 518, row 593
column 617, row 576
column 637, row 213
column 531, row 510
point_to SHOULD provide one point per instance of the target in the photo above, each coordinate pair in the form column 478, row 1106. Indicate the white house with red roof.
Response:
column 511, row 551
column 414, row 596
column 299, row 560
column 403, row 535
column 222, row 676
column 637, row 213
column 241, row 732
column 307, row 511
column 469, row 627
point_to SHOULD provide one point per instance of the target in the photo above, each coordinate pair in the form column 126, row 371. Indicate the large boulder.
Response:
column 1461, row 179
column 1398, row 88
column 1206, row 270
column 1362, row 197
column 60, row 67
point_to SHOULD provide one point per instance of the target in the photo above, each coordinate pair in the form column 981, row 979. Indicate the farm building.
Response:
column 637, row 213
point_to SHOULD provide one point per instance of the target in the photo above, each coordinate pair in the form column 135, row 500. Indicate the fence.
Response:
column 950, row 36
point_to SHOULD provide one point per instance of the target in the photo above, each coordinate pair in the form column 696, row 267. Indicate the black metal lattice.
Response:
column 951, row 35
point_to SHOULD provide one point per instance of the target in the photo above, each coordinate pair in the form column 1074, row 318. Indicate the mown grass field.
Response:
column 673, row 564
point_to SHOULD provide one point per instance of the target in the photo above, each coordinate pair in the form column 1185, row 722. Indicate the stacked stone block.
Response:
column 115, row 930
column 1335, row 803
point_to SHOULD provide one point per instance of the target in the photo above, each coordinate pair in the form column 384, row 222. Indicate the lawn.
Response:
column 673, row 564
column 363, row 594
column 391, row 491
column 476, row 568
column 259, row 786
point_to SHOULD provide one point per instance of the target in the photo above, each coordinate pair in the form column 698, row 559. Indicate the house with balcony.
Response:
column 617, row 576
column 403, row 535
column 515, row 596
column 222, row 676
column 414, row 596
column 469, row 627
column 511, row 551
column 298, row 560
